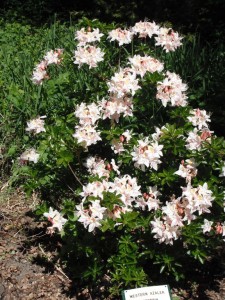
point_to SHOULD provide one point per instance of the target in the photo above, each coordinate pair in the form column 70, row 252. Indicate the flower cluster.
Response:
column 101, row 168
column 92, row 216
column 149, row 200
column 124, row 82
column 198, row 199
column 167, row 38
column 147, row 154
column 114, row 107
column 29, row 155
column 56, row 220
column 118, row 144
column 122, row 36
column 87, row 53
column 85, row 37
column 199, row 118
column 187, row 169
column 218, row 228
column 86, row 133
column 143, row 64
column 178, row 211
column 144, row 29
column 201, row 133
column 125, row 187
column 40, row 71
column 172, row 90
column 36, row 125
column 196, row 138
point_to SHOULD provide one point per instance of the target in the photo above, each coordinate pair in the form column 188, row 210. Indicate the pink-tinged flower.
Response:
column 184, row 210
column 158, row 133
column 88, row 36
column 97, row 166
column 53, row 57
column 220, row 229
column 147, row 155
column 97, row 211
column 89, row 55
column 36, row 125
column 172, row 89
column 95, row 189
column 114, row 107
column 143, row 64
column 89, row 222
column 124, row 82
column 172, row 213
column 122, row 36
column 87, row 135
column 116, row 212
column 187, row 169
column 88, row 114
column 90, row 217
column 196, row 138
column 127, row 189
column 199, row 118
column 39, row 73
column 145, row 29
column 127, row 134
column 118, row 144
column 199, row 199
column 56, row 219
column 164, row 232
column 149, row 200
column 29, row 155
column 168, row 39
column 206, row 135
column 207, row 226
column 194, row 141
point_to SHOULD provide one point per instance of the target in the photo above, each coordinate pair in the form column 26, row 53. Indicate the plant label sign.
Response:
column 158, row 292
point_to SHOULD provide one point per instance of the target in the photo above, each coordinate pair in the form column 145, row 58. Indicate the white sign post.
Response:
column 159, row 292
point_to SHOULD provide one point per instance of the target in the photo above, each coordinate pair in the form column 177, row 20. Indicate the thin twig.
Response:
column 45, row 255
column 70, row 188
column 17, row 232
column 61, row 272
column 57, row 268
column 75, row 175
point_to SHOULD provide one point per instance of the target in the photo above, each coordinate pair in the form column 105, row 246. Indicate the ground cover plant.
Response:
column 131, row 174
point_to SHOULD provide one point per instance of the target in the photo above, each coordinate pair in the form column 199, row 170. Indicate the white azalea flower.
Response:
column 36, row 125
column 29, row 155
column 89, row 55
column 55, row 218
column 207, row 226
column 122, row 36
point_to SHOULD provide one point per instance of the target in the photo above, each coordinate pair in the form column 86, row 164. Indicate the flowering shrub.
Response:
column 137, row 173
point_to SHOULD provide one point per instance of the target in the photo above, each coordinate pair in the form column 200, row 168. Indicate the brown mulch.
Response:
column 29, row 270
column 20, row 278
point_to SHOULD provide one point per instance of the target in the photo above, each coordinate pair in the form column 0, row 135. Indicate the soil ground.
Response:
column 29, row 269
